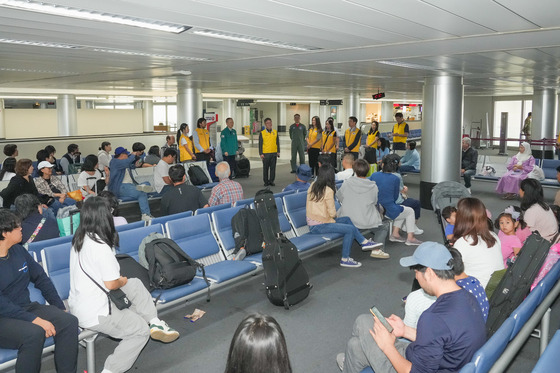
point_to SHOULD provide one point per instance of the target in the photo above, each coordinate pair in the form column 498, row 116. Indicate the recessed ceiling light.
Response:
column 66, row 11
column 38, row 43
column 407, row 65
column 253, row 40
column 156, row 55
column 11, row 69
column 336, row 73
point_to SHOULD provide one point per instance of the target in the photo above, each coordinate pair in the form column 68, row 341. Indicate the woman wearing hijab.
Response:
column 518, row 169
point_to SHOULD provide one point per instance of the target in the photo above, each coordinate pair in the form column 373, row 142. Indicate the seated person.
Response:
column 469, row 158
column 227, row 191
column 25, row 324
column 321, row 217
column 518, row 169
column 383, row 148
column 34, row 226
column 181, row 196
column 21, row 183
column 72, row 157
column 556, row 197
column 43, row 155
column 347, row 163
column 449, row 213
column 51, row 188
column 358, row 199
column 303, row 174
column 88, row 181
column 138, row 150
column 153, row 156
column 447, row 335
column 11, row 150
column 405, row 200
column 8, row 169
column 508, row 223
column 258, row 345
column 114, row 203
column 411, row 159
column 162, row 182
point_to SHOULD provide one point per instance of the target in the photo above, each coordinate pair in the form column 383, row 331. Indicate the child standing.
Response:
column 449, row 213
column 508, row 223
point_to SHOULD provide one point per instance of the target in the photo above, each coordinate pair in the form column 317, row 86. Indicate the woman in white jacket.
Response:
column 104, row 156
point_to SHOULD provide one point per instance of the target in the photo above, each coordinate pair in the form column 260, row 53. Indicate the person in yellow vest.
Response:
column 314, row 137
column 330, row 142
column 269, row 150
column 201, row 140
column 186, row 149
column 352, row 138
column 400, row 133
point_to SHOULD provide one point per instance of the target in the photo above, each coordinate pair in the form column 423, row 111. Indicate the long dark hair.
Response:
column 97, row 223
column 325, row 178
column 371, row 131
column 472, row 221
column 318, row 126
column 330, row 121
column 258, row 345
column 180, row 131
column 9, row 165
column 532, row 193
column 199, row 122
column 384, row 143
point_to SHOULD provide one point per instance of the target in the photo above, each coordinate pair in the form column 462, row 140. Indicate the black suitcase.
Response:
column 243, row 167
column 286, row 280
column 517, row 280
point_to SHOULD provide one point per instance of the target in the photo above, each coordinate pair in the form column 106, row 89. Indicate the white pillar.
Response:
column 386, row 111
column 314, row 110
column 282, row 124
column 229, row 112
column 66, row 110
column 148, row 116
column 352, row 105
column 545, row 104
column 441, row 133
column 189, row 106
column 2, row 120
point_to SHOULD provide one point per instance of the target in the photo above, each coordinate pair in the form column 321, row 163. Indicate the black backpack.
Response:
column 246, row 230
column 169, row 266
column 197, row 175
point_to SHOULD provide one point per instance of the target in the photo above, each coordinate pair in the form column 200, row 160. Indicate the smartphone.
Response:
column 374, row 311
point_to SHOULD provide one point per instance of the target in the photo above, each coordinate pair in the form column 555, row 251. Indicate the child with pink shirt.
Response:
column 512, row 234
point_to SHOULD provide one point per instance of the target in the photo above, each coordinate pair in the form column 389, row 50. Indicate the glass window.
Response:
column 514, row 120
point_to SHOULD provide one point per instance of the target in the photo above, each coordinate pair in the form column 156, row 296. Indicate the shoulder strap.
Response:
column 36, row 232
column 95, row 282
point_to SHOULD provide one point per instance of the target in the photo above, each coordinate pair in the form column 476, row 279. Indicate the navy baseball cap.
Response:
column 120, row 150
column 429, row 254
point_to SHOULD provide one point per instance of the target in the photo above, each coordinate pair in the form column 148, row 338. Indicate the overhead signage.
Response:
column 377, row 96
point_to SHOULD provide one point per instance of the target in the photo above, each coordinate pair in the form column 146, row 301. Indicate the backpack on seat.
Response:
column 197, row 176
column 247, row 232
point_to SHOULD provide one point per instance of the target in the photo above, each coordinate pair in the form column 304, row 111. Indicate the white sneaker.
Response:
column 145, row 188
column 146, row 217
column 379, row 254
column 418, row 231
column 160, row 331
column 340, row 360
column 469, row 190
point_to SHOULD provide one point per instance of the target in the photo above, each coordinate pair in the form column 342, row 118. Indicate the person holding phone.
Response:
column 447, row 335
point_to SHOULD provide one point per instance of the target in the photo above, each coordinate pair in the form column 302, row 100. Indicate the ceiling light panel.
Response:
column 144, row 54
column 253, row 40
column 66, row 11
column 38, row 43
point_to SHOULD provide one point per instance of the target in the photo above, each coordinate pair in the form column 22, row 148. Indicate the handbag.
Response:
column 118, row 297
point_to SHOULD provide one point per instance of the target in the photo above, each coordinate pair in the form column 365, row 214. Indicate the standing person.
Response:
column 400, row 133
column 186, row 148
column 298, row 133
column 228, row 144
column 227, row 191
column 320, row 212
column 518, row 168
column 201, row 141
column 535, row 212
column 94, row 270
column 314, row 141
column 71, row 157
column 373, row 135
column 469, row 158
column 103, row 156
column 269, row 151
column 181, row 197
column 162, row 181
column 352, row 138
column 25, row 324
column 330, row 142
column 527, row 126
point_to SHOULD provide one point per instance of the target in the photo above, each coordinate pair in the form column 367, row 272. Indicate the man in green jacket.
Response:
column 228, row 144
column 298, row 133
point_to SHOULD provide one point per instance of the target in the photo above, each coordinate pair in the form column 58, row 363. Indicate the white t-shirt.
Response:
column 87, row 302
column 343, row 175
column 480, row 261
column 89, row 180
column 160, row 171
column 416, row 303
column 8, row 176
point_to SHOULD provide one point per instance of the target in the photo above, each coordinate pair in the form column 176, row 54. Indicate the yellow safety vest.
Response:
column 399, row 128
column 203, row 138
column 269, row 141
column 370, row 139
column 313, row 133
column 349, row 137
column 184, row 155
column 328, row 140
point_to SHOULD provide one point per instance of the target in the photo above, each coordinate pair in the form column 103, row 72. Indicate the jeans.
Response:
column 467, row 176
column 407, row 168
column 129, row 190
column 343, row 225
column 29, row 338
column 56, row 205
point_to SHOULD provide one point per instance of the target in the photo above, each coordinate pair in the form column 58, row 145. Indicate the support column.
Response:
column 66, row 110
column 189, row 106
column 353, row 106
column 229, row 112
column 2, row 120
column 386, row 111
column 148, row 116
column 282, row 122
column 441, row 134
column 544, row 120
column 324, row 113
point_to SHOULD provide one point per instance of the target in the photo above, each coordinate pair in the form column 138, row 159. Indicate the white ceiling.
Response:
column 502, row 47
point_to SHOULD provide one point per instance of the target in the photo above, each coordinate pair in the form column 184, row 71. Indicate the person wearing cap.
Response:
column 269, row 151
column 122, row 183
column 303, row 175
column 51, row 188
column 448, row 333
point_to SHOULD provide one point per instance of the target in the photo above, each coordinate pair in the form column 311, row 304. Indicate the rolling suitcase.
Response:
column 286, row 280
column 517, row 280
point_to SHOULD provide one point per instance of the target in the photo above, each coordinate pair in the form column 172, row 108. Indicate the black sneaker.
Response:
column 271, row 184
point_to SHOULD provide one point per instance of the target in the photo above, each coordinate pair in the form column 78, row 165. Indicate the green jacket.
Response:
column 228, row 141
column 298, row 134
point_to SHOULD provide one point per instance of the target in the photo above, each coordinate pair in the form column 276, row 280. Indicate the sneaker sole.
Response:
column 350, row 265
column 380, row 256
column 165, row 337
column 407, row 243
column 392, row 239
column 372, row 247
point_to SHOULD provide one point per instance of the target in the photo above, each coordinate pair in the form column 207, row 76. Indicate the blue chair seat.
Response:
column 169, row 295
column 307, row 241
column 486, row 177
column 327, row 236
column 550, row 360
column 206, row 186
column 226, row 270
column 7, row 355
column 255, row 258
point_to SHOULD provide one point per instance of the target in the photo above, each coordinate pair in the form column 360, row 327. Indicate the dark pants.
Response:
column 230, row 159
column 269, row 167
column 415, row 205
column 313, row 154
column 29, row 338
column 203, row 157
column 333, row 160
column 399, row 146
